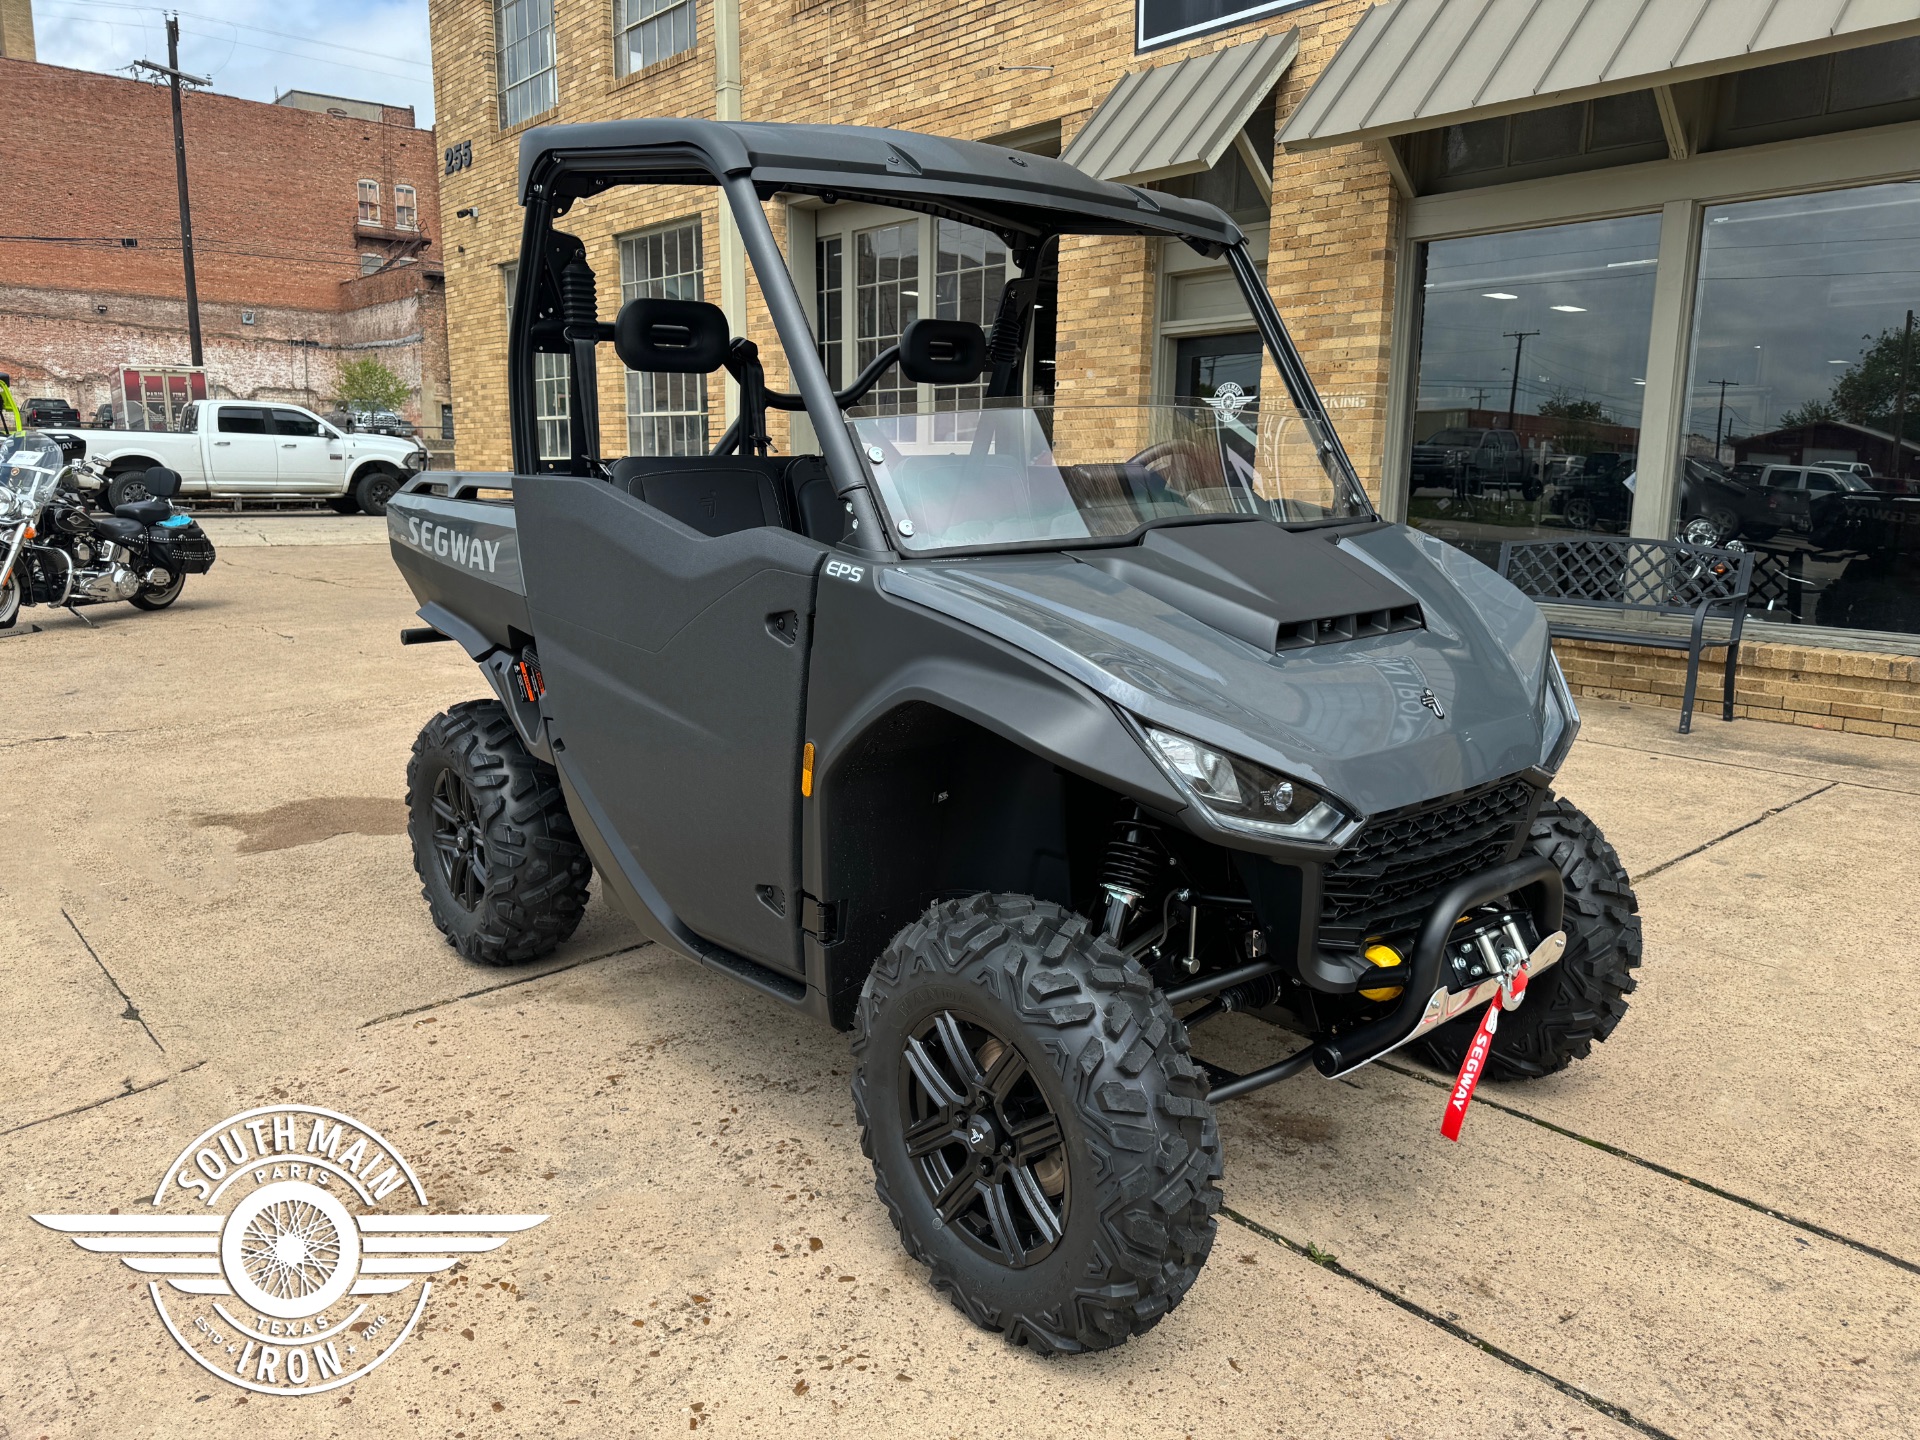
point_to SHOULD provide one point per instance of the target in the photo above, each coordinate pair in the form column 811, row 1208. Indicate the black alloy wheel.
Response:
column 375, row 488
column 983, row 1140
column 460, row 840
column 1580, row 513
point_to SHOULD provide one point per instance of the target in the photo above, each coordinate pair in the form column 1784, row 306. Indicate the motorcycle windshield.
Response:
column 30, row 466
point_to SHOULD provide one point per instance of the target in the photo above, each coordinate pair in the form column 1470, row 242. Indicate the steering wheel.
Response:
column 1182, row 459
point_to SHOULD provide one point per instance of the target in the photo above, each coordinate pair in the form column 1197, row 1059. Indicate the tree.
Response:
column 367, row 384
column 1577, row 419
column 1869, row 392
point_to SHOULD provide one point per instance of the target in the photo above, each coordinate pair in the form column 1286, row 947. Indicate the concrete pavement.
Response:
column 206, row 904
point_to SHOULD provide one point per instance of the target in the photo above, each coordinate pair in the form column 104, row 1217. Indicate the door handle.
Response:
column 784, row 626
column 223, row 442
column 287, row 445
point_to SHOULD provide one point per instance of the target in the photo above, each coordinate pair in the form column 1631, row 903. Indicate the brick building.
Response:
column 1631, row 235
column 315, row 242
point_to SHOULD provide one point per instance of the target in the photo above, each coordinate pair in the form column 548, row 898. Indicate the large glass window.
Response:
column 666, row 414
column 645, row 31
column 1802, row 438
column 829, row 296
column 523, row 35
column 886, row 301
column 1533, row 348
column 970, row 270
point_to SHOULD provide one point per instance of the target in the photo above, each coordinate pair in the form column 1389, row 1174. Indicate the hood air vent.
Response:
column 1303, row 633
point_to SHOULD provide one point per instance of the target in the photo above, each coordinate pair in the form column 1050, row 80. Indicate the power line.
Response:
column 242, row 25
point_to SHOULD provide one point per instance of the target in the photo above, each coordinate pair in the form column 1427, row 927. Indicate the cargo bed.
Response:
column 453, row 537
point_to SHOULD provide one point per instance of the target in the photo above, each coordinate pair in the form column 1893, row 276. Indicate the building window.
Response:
column 886, row 301
column 829, row 300
column 446, row 422
column 666, row 414
column 369, row 202
column 645, row 31
column 551, row 396
column 1533, row 348
column 1871, row 85
column 1802, row 435
column 406, row 213
column 1588, row 134
column 371, row 262
column 969, row 272
column 523, row 33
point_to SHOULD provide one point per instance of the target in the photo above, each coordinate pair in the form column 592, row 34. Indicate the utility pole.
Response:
column 174, row 78
column 1900, row 402
column 1721, row 419
column 1519, row 338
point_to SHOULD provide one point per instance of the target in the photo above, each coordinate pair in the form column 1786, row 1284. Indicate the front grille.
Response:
column 1400, row 861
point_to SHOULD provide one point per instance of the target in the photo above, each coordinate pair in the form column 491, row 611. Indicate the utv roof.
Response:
column 1006, row 190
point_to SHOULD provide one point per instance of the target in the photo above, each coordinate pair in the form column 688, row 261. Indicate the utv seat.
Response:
column 713, row 496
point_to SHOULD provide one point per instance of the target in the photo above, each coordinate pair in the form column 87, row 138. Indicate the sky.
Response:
column 256, row 49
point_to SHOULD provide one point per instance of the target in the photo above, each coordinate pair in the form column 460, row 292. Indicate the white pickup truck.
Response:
column 242, row 449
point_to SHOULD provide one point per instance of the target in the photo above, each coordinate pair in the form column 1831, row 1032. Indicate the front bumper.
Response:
column 1425, row 1003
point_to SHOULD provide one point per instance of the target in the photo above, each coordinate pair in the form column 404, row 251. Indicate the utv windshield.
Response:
column 1014, row 475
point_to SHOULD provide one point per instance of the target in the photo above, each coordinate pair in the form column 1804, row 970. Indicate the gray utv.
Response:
column 1018, row 734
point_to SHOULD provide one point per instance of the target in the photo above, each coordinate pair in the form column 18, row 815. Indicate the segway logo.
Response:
column 451, row 543
column 298, row 1265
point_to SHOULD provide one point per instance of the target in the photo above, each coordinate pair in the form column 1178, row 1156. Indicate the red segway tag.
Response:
column 1472, row 1067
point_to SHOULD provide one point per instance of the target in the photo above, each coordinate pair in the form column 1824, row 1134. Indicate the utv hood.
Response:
column 1384, row 668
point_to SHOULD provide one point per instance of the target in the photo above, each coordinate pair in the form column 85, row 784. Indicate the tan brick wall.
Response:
column 932, row 67
column 16, row 29
column 1851, row 691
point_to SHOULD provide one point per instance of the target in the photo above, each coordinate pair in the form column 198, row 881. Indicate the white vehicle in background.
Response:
column 243, row 450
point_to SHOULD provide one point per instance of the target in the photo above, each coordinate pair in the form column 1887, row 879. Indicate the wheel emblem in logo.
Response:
column 1432, row 702
column 1229, row 399
column 298, row 1263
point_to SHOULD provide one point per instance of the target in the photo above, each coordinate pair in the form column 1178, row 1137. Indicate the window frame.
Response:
column 406, row 215
column 647, row 419
column 503, row 89
column 370, row 210
column 665, row 11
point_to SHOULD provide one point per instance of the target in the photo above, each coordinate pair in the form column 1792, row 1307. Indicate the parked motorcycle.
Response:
column 55, row 550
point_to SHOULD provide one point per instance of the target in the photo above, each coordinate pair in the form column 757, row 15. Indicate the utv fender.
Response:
column 502, row 669
column 1041, row 711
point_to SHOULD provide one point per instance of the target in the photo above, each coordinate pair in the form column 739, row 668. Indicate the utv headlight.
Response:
column 1562, row 717
column 1243, row 795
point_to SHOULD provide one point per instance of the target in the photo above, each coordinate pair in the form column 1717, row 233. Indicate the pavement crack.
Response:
column 132, row 1012
column 503, row 985
column 1759, row 819
column 1695, row 759
column 130, row 1090
column 1718, row 1192
column 1454, row 1328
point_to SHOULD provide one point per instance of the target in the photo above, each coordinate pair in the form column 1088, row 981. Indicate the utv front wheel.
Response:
column 1582, row 998
column 500, row 865
column 1038, row 1133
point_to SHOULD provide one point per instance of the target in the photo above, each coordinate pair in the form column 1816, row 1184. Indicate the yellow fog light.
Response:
column 1387, row 958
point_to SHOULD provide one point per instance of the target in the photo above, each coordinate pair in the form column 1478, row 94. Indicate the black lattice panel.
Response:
column 1637, row 574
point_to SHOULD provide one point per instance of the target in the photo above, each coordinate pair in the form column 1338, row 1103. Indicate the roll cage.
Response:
column 1029, row 201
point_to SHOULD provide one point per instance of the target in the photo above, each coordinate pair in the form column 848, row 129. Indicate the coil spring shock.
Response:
column 1135, row 863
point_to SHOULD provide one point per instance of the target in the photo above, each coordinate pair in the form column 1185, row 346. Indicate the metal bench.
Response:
column 1663, row 577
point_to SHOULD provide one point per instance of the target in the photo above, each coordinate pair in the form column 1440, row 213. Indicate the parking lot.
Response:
column 206, row 904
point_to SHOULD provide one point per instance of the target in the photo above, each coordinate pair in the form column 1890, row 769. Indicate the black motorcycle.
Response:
column 56, row 550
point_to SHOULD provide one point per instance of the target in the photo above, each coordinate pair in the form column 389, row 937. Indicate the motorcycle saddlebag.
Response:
column 183, row 549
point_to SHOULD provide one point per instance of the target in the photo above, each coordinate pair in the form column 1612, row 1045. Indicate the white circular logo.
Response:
column 1229, row 399
column 304, row 1263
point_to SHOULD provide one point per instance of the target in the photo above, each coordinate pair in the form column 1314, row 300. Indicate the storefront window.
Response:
column 1533, row 347
column 1805, row 370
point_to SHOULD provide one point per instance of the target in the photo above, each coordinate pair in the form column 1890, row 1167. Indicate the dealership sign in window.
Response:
column 1161, row 22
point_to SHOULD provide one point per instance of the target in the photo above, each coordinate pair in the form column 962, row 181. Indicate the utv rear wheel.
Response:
column 1038, row 1133
column 500, row 865
column 1582, row 998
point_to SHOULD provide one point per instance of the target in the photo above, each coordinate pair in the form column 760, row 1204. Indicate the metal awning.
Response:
column 1419, row 64
column 1181, row 118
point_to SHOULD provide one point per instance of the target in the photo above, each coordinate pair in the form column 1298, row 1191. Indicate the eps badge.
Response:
column 297, row 1270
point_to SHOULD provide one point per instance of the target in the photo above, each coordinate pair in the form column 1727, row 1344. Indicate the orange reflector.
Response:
column 806, row 770
column 30, row 532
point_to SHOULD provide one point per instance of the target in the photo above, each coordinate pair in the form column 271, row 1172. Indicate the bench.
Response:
column 1658, row 577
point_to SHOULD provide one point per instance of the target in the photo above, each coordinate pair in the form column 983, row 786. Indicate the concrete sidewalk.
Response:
column 1710, row 1228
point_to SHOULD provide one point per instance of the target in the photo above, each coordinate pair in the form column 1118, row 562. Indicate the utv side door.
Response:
column 675, row 664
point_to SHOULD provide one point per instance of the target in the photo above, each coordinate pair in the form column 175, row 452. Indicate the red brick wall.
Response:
column 275, row 208
column 273, row 189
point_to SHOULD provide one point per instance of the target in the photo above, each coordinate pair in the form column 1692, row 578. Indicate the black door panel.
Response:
column 680, row 707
